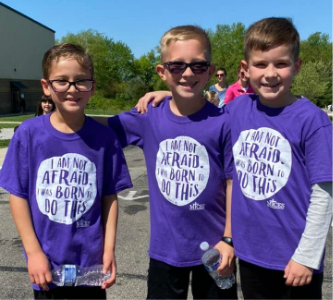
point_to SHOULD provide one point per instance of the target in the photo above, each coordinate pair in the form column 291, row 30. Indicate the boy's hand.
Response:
column 297, row 274
column 228, row 259
column 39, row 269
column 109, row 264
column 157, row 97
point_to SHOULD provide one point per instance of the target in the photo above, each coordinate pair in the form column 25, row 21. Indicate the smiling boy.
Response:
column 282, row 191
column 63, row 171
column 189, row 163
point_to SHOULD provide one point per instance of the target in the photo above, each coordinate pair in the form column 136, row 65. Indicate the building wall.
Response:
column 23, row 44
column 22, row 47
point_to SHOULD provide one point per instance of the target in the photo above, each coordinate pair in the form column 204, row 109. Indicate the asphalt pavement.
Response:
column 131, row 248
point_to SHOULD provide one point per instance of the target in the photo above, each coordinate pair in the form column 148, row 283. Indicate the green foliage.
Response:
column 312, row 82
column 227, row 48
column 123, row 79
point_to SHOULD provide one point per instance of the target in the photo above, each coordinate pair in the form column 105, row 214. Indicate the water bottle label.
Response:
column 212, row 267
column 69, row 275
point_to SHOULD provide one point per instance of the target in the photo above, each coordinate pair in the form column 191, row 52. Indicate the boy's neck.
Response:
column 186, row 107
column 279, row 103
column 67, row 123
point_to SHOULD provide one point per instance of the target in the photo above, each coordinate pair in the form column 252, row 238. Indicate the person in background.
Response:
column 221, row 86
column 44, row 106
column 240, row 87
column 63, row 171
column 212, row 97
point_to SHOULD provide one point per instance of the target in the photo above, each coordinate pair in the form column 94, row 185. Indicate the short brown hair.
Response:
column 183, row 33
column 66, row 50
column 271, row 32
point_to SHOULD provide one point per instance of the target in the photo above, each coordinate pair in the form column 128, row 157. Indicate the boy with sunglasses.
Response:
column 186, row 143
column 282, row 188
column 63, row 171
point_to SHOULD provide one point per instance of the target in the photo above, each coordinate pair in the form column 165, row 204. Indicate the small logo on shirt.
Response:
column 275, row 205
column 82, row 223
column 197, row 206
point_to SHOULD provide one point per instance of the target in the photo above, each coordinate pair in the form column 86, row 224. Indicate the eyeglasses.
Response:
column 220, row 75
column 62, row 86
column 179, row 67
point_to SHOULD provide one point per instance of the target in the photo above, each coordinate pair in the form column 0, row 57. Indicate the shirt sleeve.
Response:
column 129, row 127
column 14, row 174
column 312, row 244
column 116, row 174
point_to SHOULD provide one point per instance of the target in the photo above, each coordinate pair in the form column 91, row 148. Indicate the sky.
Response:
column 141, row 23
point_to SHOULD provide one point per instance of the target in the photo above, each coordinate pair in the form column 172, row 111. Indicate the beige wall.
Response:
column 23, row 44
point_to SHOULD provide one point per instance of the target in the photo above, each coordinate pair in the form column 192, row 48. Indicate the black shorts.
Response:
column 261, row 283
column 169, row 282
column 72, row 292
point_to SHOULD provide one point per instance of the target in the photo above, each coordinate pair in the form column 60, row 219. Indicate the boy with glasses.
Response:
column 221, row 86
column 63, row 171
column 187, row 148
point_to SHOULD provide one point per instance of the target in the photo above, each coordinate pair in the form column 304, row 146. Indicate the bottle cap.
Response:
column 204, row 246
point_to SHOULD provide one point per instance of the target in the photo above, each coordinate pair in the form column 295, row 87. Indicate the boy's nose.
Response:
column 270, row 72
column 188, row 72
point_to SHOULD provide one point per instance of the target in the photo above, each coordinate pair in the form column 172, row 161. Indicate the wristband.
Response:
column 227, row 240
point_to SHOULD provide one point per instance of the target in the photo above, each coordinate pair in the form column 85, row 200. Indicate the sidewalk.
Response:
column 3, row 152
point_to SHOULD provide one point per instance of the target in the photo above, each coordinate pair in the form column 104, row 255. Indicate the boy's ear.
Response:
column 45, row 86
column 297, row 65
column 160, row 69
column 245, row 67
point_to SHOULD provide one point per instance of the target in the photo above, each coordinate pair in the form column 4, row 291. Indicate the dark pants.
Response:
column 260, row 283
column 169, row 282
column 72, row 292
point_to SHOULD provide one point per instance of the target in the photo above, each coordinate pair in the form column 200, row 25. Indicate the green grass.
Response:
column 7, row 125
column 4, row 143
column 108, row 112
column 18, row 118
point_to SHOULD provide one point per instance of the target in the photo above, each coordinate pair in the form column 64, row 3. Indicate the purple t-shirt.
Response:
column 279, row 153
column 64, row 177
column 188, row 160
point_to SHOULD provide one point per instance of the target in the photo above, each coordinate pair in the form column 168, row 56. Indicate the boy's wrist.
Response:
column 227, row 240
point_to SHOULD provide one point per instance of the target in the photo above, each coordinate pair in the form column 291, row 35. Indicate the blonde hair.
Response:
column 271, row 32
column 184, row 33
column 212, row 97
column 66, row 50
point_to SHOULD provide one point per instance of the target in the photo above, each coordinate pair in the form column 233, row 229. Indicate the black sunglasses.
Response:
column 219, row 75
column 179, row 67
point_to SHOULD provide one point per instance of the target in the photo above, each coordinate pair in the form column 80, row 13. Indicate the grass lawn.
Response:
column 8, row 125
column 18, row 118
column 4, row 143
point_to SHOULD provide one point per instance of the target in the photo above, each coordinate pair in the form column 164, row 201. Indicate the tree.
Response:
column 227, row 48
column 112, row 60
column 311, row 83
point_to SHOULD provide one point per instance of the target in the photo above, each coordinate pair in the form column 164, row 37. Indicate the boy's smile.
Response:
column 271, row 73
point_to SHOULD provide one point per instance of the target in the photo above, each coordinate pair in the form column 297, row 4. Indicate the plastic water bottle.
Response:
column 211, row 260
column 72, row 275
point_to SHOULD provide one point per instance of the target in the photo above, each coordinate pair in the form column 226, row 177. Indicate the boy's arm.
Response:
column 110, row 220
column 311, row 247
column 157, row 97
column 37, row 262
column 228, row 262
